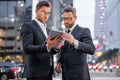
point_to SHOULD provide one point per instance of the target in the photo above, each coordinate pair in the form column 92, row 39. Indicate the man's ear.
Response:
column 36, row 10
column 75, row 17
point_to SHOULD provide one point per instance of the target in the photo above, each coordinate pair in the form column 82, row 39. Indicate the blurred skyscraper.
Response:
column 99, row 26
column 11, row 19
column 112, row 23
column 107, row 23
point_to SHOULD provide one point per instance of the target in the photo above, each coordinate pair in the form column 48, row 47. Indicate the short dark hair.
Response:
column 43, row 3
column 70, row 9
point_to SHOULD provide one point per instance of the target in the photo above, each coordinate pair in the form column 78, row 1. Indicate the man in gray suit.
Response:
column 78, row 43
column 38, row 46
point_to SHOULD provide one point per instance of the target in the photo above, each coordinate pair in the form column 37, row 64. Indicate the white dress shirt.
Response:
column 43, row 27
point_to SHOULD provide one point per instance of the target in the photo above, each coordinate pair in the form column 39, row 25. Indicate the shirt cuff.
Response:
column 47, row 48
column 76, row 43
column 56, row 49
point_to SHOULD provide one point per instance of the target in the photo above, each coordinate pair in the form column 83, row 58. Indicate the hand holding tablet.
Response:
column 55, row 33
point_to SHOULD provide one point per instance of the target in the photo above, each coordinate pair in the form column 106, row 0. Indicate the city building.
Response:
column 112, row 23
column 107, row 25
column 99, row 25
column 99, row 28
column 11, row 19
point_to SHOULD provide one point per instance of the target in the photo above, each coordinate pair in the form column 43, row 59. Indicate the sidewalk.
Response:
column 54, row 78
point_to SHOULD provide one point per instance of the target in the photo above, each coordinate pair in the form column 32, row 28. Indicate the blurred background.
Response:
column 100, row 16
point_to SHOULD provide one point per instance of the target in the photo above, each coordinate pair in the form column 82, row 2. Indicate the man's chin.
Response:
column 67, row 26
column 45, row 21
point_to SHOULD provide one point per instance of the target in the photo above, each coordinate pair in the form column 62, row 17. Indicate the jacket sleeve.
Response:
column 27, row 35
column 86, row 44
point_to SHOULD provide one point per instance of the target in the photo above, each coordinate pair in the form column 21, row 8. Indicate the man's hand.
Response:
column 51, row 43
column 59, row 45
column 58, row 68
column 68, row 37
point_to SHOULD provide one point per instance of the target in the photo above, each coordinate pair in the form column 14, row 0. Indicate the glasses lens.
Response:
column 68, row 19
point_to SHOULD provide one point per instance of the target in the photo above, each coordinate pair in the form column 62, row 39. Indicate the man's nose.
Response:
column 66, row 20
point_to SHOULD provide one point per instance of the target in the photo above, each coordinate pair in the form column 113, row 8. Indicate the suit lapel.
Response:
column 38, row 27
column 75, row 30
column 48, row 31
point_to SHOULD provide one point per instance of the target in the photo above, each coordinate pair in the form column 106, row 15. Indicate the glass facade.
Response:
column 112, row 21
column 99, row 26
column 11, row 19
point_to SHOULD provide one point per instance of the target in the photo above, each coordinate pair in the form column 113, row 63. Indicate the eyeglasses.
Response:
column 45, row 12
column 67, row 19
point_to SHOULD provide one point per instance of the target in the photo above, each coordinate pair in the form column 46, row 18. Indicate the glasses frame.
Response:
column 45, row 12
column 67, row 19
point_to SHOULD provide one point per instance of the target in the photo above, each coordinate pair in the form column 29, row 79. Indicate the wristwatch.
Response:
column 75, row 43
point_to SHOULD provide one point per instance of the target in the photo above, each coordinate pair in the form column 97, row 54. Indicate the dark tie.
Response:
column 68, row 31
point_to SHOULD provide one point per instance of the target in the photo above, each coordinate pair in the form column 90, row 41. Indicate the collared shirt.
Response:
column 76, row 42
column 71, row 29
column 43, row 27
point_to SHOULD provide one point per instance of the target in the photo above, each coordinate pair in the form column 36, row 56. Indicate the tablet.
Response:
column 55, row 33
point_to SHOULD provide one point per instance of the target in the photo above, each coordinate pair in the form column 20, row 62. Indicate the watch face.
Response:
column 75, row 43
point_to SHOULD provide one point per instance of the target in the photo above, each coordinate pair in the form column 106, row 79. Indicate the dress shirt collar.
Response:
column 40, row 23
column 42, row 26
column 71, row 29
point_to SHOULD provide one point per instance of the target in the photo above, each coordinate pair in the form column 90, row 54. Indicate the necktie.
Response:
column 68, row 31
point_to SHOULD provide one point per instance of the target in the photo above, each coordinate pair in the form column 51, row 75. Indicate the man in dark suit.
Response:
column 38, row 46
column 78, row 43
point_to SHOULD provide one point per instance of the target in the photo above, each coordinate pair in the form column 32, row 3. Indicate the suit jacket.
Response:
column 73, row 61
column 37, row 57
